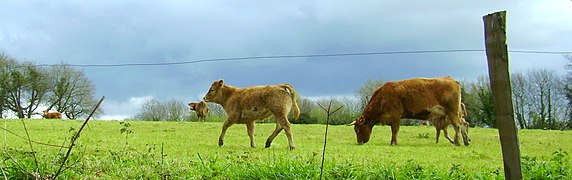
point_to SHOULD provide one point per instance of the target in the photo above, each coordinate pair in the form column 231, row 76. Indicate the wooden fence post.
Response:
column 497, row 56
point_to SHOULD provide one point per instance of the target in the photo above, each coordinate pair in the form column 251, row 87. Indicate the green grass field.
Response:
column 190, row 150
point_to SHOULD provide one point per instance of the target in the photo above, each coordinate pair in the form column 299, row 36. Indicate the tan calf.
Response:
column 201, row 108
column 246, row 105
column 442, row 122
column 52, row 115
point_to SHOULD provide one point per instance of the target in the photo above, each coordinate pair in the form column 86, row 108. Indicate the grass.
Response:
column 190, row 150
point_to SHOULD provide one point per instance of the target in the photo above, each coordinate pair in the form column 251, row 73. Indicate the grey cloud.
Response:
column 111, row 32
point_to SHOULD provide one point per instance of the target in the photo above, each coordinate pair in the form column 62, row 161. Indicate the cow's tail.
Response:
column 296, row 108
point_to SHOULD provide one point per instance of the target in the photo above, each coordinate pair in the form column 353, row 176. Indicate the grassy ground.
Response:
column 190, row 150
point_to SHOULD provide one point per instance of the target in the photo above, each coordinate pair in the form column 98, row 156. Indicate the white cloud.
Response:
column 120, row 110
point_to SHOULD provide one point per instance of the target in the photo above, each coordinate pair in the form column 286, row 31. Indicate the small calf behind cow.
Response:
column 442, row 122
column 412, row 98
column 201, row 108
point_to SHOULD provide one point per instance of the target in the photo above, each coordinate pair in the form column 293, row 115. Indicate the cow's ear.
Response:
column 220, row 82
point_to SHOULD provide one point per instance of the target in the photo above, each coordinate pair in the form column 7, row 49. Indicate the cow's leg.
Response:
column 227, row 124
column 437, row 134
column 288, row 131
column 394, row 131
column 283, row 120
column 465, row 132
column 250, row 129
column 273, row 135
column 446, row 134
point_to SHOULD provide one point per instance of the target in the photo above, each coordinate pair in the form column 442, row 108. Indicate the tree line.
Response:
column 26, row 89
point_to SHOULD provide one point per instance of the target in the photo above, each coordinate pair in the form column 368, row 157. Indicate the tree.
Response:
column 153, row 110
column 7, row 65
column 568, row 88
column 546, row 98
column 27, row 86
column 520, row 89
column 478, row 100
column 176, row 111
column 71, row 92
column 366, row 91
column 306, row 107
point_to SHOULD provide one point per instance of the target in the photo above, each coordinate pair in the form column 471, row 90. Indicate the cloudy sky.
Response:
column 141, row 32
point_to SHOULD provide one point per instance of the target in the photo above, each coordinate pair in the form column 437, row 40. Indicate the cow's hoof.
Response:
column 220, row 142
column 292, row 148
column 267, row 145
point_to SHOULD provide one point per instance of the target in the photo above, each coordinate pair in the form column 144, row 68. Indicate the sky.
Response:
column 142, row 32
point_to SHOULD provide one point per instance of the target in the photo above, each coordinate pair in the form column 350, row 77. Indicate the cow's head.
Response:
column 362, row 129
column 465, row 132
column 215, row 92
column 193, row 106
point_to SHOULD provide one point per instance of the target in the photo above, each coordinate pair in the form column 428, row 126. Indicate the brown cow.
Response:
column 411, row 98
column 441, row 121
column 52, row 115
column 201, row 108
column 245, row 105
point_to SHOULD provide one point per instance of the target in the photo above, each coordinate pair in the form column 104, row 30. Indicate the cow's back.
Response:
column 415, row 96
column 259, row 102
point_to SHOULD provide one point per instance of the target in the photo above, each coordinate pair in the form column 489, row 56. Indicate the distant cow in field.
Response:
column 411, row 98
column 52, row 115
column 246, row 105
column 201, row 108
column 442, row 122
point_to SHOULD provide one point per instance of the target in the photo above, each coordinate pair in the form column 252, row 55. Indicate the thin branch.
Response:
column 75, row 137
column 329, row 113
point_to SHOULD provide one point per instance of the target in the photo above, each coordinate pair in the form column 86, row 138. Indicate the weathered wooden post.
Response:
column 497, row 56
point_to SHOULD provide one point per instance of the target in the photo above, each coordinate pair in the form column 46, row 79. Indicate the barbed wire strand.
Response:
column 300, row 56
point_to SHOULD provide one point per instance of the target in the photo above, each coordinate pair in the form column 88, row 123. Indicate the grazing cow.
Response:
column 52, row 115
column 245, row 105
column 411, row 98
column 441, row 121
column 201, row 108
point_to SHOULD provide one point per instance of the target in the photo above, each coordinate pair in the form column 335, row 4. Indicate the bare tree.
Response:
column 547, row 105
column 152, row 110
column 172, row 110
column 176, row 111
column 568, row 88
column 365, row 92
column 71, row 93
column 216, row 109
column 520, row 88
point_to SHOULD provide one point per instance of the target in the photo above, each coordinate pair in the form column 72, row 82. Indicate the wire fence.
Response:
column 278, row 57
